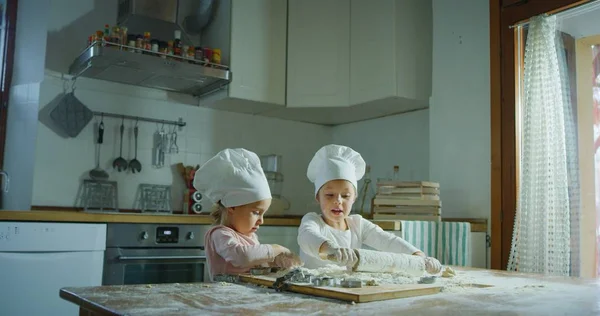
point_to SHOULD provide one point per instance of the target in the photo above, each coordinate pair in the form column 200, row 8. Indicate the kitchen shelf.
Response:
column 119, row 63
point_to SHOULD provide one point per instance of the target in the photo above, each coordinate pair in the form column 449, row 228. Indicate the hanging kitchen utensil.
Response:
column 120, row 163
column 158, row 149
column 164, row 145
column 98, row 173
column 173, row 148
column 70, row 114
column 135, row 165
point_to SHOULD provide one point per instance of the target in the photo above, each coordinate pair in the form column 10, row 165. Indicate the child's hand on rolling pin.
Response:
column 432, row 265
column 343, row 256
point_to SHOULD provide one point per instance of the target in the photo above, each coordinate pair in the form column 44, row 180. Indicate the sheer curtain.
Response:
column 547, row 215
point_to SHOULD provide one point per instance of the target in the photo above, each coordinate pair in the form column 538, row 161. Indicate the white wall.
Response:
column 19, row 150
column 459, row 126
column 207, row 132
column 401, row 140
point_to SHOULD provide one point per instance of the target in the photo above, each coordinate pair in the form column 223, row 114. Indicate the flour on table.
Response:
column 460, row 282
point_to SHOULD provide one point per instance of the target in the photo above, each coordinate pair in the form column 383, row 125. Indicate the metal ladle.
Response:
column 135, row 165
column 120, row 163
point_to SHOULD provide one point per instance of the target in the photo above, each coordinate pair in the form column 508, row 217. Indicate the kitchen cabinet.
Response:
column 414, row 49
column 318, row 53
column 343, row 53
column 258, row 50
column 329, row 62
column 38, row 259
column 372, row 50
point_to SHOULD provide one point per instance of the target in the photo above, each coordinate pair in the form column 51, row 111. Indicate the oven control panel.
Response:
column 167, row 235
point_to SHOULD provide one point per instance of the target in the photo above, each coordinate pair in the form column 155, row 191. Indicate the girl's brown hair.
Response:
column 219, row 214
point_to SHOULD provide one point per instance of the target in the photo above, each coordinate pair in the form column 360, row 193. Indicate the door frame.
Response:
column 6, row 69
column 583, row 55
column 503, row 71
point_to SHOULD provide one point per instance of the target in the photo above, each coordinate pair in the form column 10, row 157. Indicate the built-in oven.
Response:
column 154, row 253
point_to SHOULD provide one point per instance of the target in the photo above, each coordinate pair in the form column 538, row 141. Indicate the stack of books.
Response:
column 407, row 200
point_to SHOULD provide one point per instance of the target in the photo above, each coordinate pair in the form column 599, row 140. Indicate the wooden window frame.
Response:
column 503, row 14
column 6, row 69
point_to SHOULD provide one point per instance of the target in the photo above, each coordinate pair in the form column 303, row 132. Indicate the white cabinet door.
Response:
column 372, row 50
column 414, row 48
column 318, row 53
column 258, row 50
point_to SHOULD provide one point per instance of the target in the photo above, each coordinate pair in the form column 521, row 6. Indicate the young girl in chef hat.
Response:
column 235, row 182
column 335, row 171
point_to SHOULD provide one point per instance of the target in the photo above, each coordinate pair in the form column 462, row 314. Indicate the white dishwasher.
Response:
column 38, row 259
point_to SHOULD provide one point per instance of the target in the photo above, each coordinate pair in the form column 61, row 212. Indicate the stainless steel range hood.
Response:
column 162, row 17
column 111, row 62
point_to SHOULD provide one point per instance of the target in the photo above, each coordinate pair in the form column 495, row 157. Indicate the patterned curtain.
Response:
column 547, row 213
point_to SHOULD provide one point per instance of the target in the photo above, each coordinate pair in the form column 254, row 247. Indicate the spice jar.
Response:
column 154, row 46
column 216, row 57
column 170, row 51
column 163, row 49
column 198, row 54
column 207, row 55
column 131, row 43
column 139, row 43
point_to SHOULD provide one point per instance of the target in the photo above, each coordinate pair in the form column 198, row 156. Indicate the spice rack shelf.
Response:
column 139, row 67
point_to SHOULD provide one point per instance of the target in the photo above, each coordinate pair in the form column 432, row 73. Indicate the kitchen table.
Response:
column 510, row 294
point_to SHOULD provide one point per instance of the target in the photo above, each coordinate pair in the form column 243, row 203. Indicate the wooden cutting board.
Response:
column 357, row 295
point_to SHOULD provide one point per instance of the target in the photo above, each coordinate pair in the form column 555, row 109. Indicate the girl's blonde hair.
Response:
column 219, row 214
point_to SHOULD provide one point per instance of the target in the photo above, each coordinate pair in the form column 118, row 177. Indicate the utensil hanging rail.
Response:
column 179, row 122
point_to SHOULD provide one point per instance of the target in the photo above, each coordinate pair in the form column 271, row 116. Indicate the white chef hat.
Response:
column 335, row 162
column 234, row 177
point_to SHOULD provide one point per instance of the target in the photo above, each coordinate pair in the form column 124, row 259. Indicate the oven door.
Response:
column 153, row 266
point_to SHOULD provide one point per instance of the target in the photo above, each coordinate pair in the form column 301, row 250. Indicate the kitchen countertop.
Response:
column 477, row 225
column 511, row 294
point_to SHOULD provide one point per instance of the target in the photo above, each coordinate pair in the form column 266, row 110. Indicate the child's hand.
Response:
column 288, row 260
column 432, row 265
column 344, row 256
column 279, row 249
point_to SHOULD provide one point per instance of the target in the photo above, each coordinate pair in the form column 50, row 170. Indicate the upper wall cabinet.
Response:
column 318, row 53
column 304, row 59
column 372, row 50
column 414, row 49
column 258, row 50
column 343, row 53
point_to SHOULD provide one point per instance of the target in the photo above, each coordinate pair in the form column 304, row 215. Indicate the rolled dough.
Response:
column 448, row 273
column 379, row 261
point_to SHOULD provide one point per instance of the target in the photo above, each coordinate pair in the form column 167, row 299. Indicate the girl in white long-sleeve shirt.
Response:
column 335, row 171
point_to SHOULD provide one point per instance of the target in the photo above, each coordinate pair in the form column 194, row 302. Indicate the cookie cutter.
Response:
column 427, row 279
column 325, row 281
column 260, row 270
column 351, row 283
column 226, row 278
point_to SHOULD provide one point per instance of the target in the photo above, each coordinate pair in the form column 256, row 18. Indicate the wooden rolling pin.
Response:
column 385, row 262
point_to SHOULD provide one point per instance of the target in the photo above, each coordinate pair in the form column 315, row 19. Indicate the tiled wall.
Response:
column 20, row 147
column 401, row 140
column 68, row 160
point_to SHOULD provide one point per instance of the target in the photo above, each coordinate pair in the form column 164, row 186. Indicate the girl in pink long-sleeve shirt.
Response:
column 235, row 182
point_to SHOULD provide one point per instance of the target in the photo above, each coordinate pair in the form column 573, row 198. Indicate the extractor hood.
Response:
column 162, row 17
column 112, row 62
